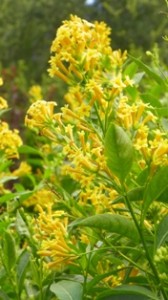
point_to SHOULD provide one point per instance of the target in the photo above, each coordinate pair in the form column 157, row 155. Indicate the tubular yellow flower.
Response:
column 40, row 114
column 42, row 197
column 51, row 230
column 78, row 43
column 10, row 141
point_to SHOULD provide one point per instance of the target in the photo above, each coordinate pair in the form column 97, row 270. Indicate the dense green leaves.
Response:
column 118, row 151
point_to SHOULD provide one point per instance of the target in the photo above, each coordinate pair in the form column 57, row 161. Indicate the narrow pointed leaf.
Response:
column 69, row 290
column 118, row 151
column 112, row 223
column 22, row 265
column 156, row 77
column 155, row 188
column 128, row 290
column 21, row 226
column 135, row 194
column 162, row 232
column 8, row 250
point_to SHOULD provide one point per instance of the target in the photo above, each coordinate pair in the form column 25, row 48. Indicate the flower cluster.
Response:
column 98, row 96
column 42, row 197
column 56, row 243
column 10, row 140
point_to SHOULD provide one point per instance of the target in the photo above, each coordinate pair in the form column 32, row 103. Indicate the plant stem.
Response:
column 140, row 231
column 85, row 273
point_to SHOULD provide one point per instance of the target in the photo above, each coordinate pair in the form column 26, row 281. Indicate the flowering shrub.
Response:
column 90, row 220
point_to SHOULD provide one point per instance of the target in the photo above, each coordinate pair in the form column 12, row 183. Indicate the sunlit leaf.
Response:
column 118, row 151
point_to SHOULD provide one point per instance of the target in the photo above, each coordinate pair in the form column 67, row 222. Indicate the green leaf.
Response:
column 162, row 232
column 65, row 289
column 128, row 290
column 162, row 112
column 22, row 264
column 8, row 250
column 112, row 223
column 118, row 151
column 20, row 195
column 155, row 188
column 25, row 149
column 132, row 91
column 5, row 165
column 151, row 98
column 135, row 194
column 131, row 69
column 21, row 226
column 153, row 75
column 138, row 77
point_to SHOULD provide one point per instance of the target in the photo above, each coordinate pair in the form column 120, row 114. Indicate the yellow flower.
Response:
column 1, row 81
column 105, row 267
column 35, row 93
column 51, row 231
column 23, row 169
column 10, row 141
column 78, row 43
column 42, row 197
column 40, row 115
column 3, row 103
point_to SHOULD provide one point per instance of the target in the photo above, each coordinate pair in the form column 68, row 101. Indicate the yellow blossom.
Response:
column 78, row 43
column 40, row 115
column 23, row 169
column 35, row 93
column 51, row 231
column 3, row 103
column 42, row 197
column 10, row 141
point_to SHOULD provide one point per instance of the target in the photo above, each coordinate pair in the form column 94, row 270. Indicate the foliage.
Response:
column 84, row 203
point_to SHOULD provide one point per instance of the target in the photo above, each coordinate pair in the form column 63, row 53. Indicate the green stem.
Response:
column 140, row 231
column 85, row 274
column 100, row 121
column 40, row 280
